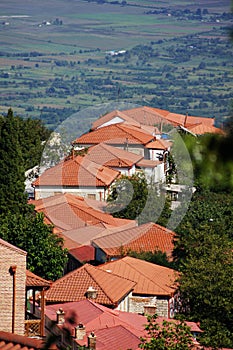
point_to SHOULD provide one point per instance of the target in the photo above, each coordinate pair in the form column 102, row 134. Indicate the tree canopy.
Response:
column 203, row 254
column 131, row 197
column 171, row 335
column 20, row 147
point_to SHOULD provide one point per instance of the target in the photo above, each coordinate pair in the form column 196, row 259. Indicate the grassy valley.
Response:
column 59, row 57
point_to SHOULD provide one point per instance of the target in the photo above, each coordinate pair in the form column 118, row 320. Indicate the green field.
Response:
column 55, row 56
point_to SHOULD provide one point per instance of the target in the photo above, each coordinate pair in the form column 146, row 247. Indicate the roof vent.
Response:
column 91, row 293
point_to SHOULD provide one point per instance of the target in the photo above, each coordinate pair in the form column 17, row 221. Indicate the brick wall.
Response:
column 12, row 256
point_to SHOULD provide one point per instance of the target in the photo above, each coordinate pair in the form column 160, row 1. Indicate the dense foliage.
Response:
column 171, row 335
column 131, row 197
column 20, row 147
column 45, row 255
column 12, row 196
column 203, row 254
column 156, row 257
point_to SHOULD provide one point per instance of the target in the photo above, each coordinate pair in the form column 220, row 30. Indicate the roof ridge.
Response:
column 152, row 280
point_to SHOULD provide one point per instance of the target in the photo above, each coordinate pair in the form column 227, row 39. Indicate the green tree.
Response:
column 157, row 257
column 203, row 254
column 131, row 197
column 45, row 254
column 128, row 196
column 12, row 196
column 171, row 335
column 206, row 284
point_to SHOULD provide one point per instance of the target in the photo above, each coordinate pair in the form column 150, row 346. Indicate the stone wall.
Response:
column 137, row 303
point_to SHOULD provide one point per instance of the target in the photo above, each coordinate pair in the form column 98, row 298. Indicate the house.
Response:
column 162, row 118
column 107, row 289
column 12, row 288
column 90, row 324
column 114, row 158
column 159, row 118
column 148, row 237
column 127, row 284
column 126, row 137
column 16, row 285
column 76, row 175
column 155, row 285
column 68, row 212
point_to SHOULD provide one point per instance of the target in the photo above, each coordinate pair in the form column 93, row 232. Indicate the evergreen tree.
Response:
column 12, row 196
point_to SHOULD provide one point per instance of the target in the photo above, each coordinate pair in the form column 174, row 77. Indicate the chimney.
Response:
column 60, row 316
column 149, row 310
column 80, row 331
column 185, row 119
column 92, row 341
column 91, row 293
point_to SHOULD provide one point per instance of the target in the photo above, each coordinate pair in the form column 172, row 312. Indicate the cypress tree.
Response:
column 13, row 198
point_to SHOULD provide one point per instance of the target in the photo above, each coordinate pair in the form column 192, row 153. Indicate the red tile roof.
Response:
column 120, row 116
column 77, row 172
column 200, row 129
column 83, row 253
column 159, row 144
column 114, row 329
column 115, row 134
column 84, row 235
column 9, row 341
column 147, row 163
column 153, row 116
column 111, row 156
column 150, row 279
column 68, row 212
column 33, row 280
column 146, row 237
column 73, row 286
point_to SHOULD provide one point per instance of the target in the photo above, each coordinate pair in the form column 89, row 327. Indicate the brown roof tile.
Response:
column 73, row 286
column 159, row 144
column 146, row 237
column 9, row 341
column 68, row 212
column 150, row 279
column 111, row 156
column 33, row 280
column 115, row 134
column 77, row 172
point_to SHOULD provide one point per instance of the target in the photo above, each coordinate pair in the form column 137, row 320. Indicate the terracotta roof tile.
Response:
column 159, row 144
column 146, row 237
column 68, row 212
column 77, row 172
column 147, row 163
column 200, row 129
column 33, row 280
column 111, row 156
column 73, row 286
column 83, row 253
column 118, row 115
column 150, row 278
column 9, row 341
column 153, row 116
column 115, row 134
column 114, row 329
